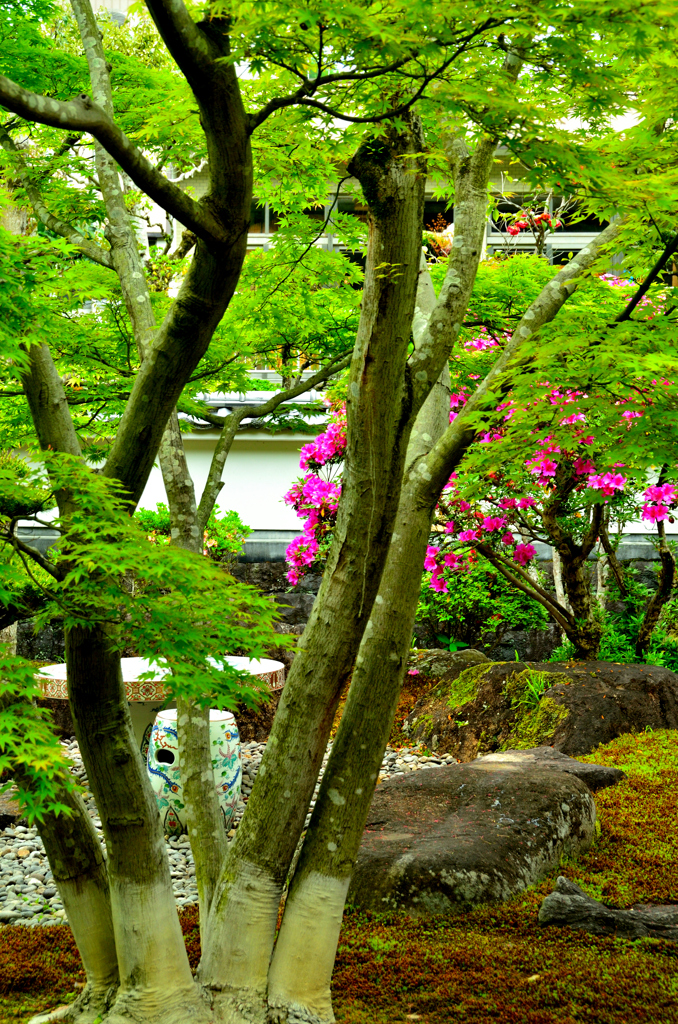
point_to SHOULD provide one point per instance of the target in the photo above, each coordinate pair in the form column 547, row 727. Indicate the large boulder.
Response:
column 595, row 776
column 439, row 839
column 496, row 705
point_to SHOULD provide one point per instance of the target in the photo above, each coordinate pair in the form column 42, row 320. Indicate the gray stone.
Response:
column 294, row 609
column 570, row 907
column 466, row 834
column 596, row 776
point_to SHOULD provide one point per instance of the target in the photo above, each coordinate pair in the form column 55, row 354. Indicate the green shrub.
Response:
column 480, row 607
column 224, row 535
column 617, row 645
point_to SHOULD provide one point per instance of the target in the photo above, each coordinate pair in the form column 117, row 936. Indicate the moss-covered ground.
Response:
column 491, row 964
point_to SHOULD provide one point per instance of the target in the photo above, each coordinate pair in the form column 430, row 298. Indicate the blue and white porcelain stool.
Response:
column 163, row 767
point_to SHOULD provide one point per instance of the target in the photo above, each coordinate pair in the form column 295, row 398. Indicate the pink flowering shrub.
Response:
column 315, row 497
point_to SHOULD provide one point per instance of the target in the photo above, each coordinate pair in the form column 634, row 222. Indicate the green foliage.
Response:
column 478, row 609
column 28, row 745
column 224, row 535
column 535, row 684
column 155, row 521
column 168, row 604
column 620, row 628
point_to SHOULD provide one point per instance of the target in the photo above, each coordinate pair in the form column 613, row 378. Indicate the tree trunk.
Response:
column 301, row 969
column 662, row 594
column 77, row 862
column 587, row 630
column 76, row 859
column 243, row 918
column 155, row 978
column 205, row 820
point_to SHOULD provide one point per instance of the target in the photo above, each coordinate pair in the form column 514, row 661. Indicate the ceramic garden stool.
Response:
column 146, row 697
column 163, row 768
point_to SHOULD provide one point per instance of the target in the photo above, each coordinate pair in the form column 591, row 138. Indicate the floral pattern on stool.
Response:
column 163, row 768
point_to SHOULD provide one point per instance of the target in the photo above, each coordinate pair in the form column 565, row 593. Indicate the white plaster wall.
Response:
column 259, row 470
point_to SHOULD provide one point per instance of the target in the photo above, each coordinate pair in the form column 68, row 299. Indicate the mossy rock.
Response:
column 489, row 706
column 536, row 728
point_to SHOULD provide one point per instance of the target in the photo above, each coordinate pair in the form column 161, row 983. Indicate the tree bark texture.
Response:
column 155, row 977
column 583, row 625
column 243, row 918
column 76, row 858
column 301, row 969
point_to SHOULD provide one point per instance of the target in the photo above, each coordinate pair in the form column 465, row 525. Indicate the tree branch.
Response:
column 231, row 423
column 527, row 585
column 51, row 417
column 82, row 114
column 447, row 452
column 86, row 246
column 33, row 553
column 191, row 48
column 661, row 595
column 669, row 251
column 612, row 560
column 125, row 256
column 303, row 95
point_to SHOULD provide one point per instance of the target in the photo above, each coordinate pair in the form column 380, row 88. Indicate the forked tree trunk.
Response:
column 243, row 917
column 304, row 954
column 301, row 969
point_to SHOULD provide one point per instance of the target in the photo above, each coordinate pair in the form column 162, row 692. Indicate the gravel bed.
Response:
column 29, row 896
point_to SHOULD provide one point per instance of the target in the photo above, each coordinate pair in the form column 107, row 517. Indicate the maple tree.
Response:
column 442, row 80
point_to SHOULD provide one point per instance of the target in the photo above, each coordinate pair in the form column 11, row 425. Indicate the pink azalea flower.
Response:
column 413, row 672
column 492, row 523
column 655, row 513
column 664, row 492
column 430, row 563
column 608, row 483
column 468, row 536
column 449, row 527
column 526, row 502
column 507, row 503
column 524, row 553
column 437, row 582
column 507, row 538
column 582, row 467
